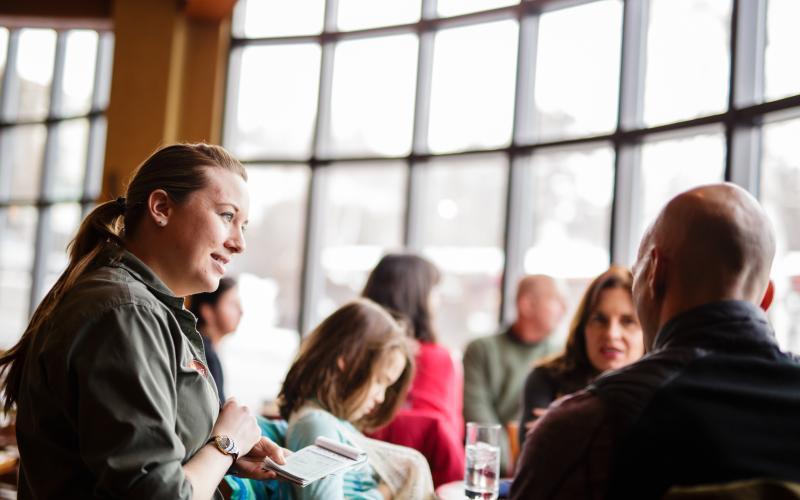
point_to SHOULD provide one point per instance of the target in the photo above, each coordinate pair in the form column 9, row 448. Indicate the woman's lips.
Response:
column 611, row 352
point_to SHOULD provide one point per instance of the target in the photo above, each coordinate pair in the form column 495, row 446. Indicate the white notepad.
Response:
column 323, row 458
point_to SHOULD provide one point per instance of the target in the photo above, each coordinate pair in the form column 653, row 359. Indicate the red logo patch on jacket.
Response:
column 199, row 367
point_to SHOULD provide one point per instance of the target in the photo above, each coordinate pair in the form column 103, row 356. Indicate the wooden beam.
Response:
column 209, row 10
column 167, row 84
column 94, row 14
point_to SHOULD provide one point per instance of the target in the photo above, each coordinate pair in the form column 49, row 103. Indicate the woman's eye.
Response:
column 598, row 320
column 228, row 216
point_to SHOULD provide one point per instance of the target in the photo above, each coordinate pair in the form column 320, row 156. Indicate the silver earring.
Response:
column 162, row 223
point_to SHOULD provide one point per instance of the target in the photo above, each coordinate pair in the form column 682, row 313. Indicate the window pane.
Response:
column 361, row 14
column 22, row 151
column 688, row 44
column 275, row 241
column 463, row 205
column 455, row 7
column 570, row 192
column 262, row 18
column 373, row 96
column 364, row 207
column 257, row 357
column 673, row 165
column 276, row 102
column 64, row 221
column 472, row 95
column 780, row 183
column 781, row 71
column 70, row 159
column 79, row 67
column 3, row 54
column 577, row 70
column 35, row 58
column 17, row 234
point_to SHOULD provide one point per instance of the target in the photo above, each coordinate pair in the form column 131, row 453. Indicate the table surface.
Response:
column 455, row 490
column 451, row 491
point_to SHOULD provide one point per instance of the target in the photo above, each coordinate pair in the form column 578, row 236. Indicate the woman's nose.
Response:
column 614, row 330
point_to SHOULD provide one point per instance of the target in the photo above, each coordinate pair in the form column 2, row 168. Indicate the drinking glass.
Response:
column 482, row 472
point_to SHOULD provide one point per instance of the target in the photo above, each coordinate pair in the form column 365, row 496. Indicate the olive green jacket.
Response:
column 115, row 396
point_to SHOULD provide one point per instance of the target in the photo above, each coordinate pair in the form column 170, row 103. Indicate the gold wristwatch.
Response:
column 225, row 445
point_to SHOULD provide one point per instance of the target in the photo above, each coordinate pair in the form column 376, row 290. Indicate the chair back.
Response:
column 751, row 489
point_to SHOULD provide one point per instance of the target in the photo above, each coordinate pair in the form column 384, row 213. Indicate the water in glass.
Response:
column 481, row 478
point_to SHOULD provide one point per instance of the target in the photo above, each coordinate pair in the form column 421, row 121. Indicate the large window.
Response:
column 500, row 137
column 53, row 95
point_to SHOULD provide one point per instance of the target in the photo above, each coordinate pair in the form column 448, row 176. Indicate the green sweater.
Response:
column 495, row 368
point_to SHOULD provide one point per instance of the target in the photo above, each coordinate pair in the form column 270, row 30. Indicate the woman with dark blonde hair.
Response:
column 110, row 383
column 604, row 335
column 351, row 375
column 431, row 420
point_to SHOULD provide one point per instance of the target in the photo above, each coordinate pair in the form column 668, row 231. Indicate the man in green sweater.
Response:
column 495, row 367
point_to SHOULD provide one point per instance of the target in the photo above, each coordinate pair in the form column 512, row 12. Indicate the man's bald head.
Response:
column 708, row 244
column 540, row 307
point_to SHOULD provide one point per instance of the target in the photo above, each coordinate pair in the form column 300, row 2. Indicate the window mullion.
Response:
column 748, row 41
column 312, row 279
column 43, row 234
column 419, row 145
column 625, row 209
column 518, row 227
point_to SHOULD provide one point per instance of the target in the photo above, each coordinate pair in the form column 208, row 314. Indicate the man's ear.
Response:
column 766, row 301
column 658, row 272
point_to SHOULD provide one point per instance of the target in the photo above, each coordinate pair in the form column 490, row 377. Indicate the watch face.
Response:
column 225, row 443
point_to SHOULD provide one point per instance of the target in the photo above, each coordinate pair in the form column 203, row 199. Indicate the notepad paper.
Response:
column 321, row 459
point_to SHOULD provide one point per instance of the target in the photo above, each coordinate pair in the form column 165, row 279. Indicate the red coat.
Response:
column 431, row 420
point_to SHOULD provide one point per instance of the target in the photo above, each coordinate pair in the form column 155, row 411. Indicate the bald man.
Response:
column 495, row 367
column 714, row 401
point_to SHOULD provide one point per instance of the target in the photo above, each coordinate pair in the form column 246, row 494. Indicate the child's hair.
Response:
column 338, row 360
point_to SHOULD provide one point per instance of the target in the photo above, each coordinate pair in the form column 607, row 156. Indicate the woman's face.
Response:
column 613, row 334
column 227, row 311
column 386, row 375
column 203, row 234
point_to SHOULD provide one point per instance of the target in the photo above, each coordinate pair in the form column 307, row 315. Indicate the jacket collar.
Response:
column 123, row 259
column 728, row 322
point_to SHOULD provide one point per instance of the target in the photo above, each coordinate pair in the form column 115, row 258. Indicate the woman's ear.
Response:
column 159, row 207
column 766, row 301
column 340, row 363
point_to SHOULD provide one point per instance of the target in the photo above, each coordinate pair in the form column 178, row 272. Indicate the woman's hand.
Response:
column 538, row 413
column 384, row 490
column 236, row 422
column 250, row 465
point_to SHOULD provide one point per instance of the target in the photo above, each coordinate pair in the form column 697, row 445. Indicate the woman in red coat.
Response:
column 431, row 420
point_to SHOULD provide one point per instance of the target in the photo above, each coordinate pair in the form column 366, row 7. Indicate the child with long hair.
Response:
column 351, row 375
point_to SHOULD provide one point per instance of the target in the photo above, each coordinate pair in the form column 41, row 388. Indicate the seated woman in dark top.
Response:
column 604, row 335
column 218, row 314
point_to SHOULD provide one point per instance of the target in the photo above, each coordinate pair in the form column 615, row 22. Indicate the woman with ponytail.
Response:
column 110, row 383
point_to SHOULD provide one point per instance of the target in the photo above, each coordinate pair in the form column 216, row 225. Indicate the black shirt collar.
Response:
column 729, row 321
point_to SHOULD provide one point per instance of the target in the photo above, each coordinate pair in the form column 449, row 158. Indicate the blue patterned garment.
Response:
column 358, row 482
column 251, row 489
